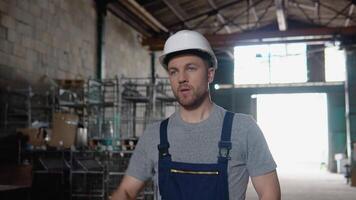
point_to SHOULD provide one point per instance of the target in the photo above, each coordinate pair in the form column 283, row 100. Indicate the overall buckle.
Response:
column 163, row 149
column 224, row 149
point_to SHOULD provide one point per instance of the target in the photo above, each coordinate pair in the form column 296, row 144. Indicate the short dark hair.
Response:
column 203, row 55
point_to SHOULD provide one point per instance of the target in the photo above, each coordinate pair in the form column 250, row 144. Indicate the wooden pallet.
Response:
column 70, row 83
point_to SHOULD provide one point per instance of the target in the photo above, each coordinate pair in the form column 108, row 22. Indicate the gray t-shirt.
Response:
column 198, row 143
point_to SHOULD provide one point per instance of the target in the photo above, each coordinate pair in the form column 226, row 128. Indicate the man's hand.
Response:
column 267, row 186
column 128, row 189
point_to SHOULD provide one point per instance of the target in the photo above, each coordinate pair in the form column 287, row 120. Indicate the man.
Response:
column 201, row 152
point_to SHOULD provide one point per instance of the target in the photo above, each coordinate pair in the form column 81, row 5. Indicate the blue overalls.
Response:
column 190, row 181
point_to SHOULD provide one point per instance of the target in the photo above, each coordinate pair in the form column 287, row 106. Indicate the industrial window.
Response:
column 275, row 63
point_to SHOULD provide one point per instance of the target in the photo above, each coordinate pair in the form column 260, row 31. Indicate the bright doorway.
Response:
column 296, row 129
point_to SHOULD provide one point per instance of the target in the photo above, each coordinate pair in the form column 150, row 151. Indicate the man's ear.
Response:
column 211, row 74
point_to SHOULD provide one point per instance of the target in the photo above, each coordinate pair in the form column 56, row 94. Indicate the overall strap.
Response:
column 225, row 138
column 164, row 145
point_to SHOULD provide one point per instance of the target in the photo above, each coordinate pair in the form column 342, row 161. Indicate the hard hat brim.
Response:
column 211, row 59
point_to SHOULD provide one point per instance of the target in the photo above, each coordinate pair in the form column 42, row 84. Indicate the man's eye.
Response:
column 172, row 72
column 191, row 67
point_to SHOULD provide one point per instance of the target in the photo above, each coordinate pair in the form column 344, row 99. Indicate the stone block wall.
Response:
column 54, row 38
column 57, row 39
column 123, row 51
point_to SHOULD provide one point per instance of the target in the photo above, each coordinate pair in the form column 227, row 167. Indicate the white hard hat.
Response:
column 187, row 41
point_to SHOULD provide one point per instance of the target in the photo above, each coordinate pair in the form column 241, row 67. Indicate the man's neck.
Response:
column 198, row 114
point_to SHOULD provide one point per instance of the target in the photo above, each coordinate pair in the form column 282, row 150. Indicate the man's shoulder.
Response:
column 154, row 126
column 238, row 117
column 243, row 116
column 243, row 121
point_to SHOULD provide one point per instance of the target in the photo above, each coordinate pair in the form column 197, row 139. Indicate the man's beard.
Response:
column 194, row 100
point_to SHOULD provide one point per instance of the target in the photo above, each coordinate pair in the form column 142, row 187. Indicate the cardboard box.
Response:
column 36, row 136
column 64, row 130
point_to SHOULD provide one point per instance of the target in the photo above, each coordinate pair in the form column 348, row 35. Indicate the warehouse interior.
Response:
column 80, row 80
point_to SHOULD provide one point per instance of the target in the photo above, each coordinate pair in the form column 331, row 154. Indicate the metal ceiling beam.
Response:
column 317, row 11
column 281, row 15
column 338, row 14
column 304, row 6
column 253, row 10
column 145, row 16
column 201, row 22
column 351, row 10
column 334, row 10
column 122, row 12
column 272, row 88
column 303, row 11
column 232, row 19
column 219, row 16
column 208, row 13
column 248, row 14
column 230, row 40
column 263, row 15
column 177, row 10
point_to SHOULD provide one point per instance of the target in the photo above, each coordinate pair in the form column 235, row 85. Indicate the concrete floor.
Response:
column 305, row 183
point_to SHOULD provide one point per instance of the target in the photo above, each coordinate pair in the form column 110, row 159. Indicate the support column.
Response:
column 225, row 72
column 336, row 127
column 350, row 103
column 101, row 10
column 153, row 85
column 153, row 67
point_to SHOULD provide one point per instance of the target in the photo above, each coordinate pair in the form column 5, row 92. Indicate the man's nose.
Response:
column 182, row 77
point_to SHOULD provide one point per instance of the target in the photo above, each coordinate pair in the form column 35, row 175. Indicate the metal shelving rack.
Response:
column 87, row 176
column 116, row 164
column 136, row 109
column 49, row 166
column 24, row 106
column 69, row 97
column 136, row 105
column 142, row 102
column 164, row 101
column 103, row 116
column 114, row 111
